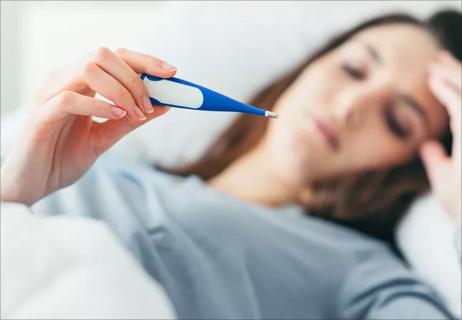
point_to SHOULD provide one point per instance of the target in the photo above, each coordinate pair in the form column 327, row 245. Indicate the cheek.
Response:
column 310, row 91
column 297, row 148
column 376, row 149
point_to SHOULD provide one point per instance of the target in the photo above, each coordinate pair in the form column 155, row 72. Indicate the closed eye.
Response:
column 353, row 72
column 394, row 125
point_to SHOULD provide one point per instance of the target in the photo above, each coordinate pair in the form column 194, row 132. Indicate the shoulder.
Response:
column 374, row 281
column 380, row 285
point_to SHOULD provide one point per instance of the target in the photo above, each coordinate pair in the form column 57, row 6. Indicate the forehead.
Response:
column 405, row 47
column 406, row 51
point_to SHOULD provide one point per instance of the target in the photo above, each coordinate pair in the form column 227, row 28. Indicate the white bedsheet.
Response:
column 71, row 268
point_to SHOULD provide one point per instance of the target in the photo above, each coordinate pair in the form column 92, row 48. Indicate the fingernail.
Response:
column 119, row 113
column 139, row 114
column 147, row 104
column 166, row 66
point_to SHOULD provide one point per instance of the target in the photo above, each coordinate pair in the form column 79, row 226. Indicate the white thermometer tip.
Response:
column 271, row 114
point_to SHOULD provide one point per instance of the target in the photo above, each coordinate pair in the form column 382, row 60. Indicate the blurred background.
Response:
column 213, row 43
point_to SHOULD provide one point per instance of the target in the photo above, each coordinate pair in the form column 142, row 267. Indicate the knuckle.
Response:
column 133, row 80
column 150, row 60
column 136, row 84
column 89, row 68
column 62, row 101
column 64, row 98
column 122, row 94
column 103, row 53
column 120, row 51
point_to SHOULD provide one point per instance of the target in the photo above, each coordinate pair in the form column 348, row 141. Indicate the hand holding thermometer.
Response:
column 177, row 93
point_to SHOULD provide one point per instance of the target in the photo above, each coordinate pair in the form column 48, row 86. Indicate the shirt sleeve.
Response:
column 381, row 287
column 122, row 196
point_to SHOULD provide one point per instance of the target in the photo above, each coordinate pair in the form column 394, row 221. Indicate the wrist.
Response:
column 13, row 187
column 12, row 193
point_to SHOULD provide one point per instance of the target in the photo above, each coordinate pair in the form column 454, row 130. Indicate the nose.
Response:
column 353, row 105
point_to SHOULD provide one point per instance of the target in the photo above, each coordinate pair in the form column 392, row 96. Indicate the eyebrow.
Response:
column 414, row 105
column 408, row 100
column 374, row 54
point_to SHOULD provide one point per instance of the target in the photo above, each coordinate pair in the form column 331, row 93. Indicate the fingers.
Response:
column 446, row 95
column 449, row 68
column 69, row 102
column 445, row 77
column 103, row 83
column 445, row 81
column 112, row 75
column 123, row 67
column 434, row 158
column 74, row 103
column 123, row 73
column 140, row 63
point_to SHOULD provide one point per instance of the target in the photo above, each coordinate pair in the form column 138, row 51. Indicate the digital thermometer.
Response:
column 178, row 93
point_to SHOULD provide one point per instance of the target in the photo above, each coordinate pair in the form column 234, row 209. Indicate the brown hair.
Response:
column 372, row 202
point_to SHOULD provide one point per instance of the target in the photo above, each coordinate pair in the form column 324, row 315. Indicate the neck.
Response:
column 252, row 178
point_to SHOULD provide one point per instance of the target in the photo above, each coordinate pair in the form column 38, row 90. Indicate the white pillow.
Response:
column 427, row 237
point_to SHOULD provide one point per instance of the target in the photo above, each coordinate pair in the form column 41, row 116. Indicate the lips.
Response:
column 328, row 132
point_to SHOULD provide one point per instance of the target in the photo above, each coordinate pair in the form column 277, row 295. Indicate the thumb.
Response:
column 434, row 158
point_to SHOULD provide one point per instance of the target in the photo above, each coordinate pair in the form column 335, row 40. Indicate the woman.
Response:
column 232, row 240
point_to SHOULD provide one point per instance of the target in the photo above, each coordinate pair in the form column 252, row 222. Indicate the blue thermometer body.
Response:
column 178, row 93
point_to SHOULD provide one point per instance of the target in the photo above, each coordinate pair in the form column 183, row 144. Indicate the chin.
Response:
column 293, row 161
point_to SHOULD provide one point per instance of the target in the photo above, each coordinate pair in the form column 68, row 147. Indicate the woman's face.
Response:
column 364, row 105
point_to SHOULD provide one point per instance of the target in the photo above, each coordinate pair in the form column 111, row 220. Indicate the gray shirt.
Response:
column 219, row 257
